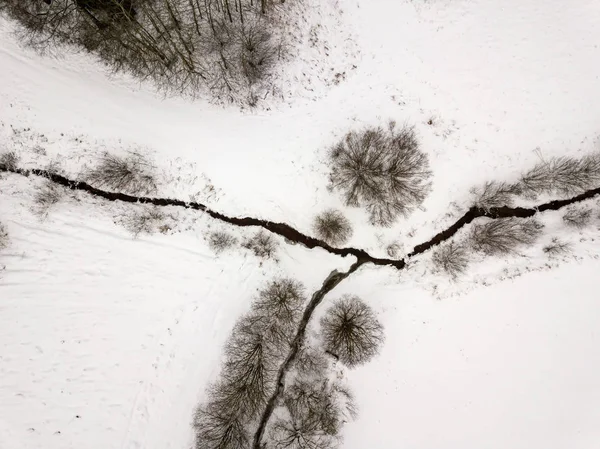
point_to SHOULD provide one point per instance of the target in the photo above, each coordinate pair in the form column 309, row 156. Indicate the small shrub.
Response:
column 578, row 217
column 3, row 237
column 132, row 174
column 351, row 331
column 262, row 244
column 495, row 194
column 382, row 170
column 504, row 235
column 146, row 220
column 565, row 175
column 220, row 241
column 332, row 227
column 9, row 160
column 46, row 197
column 557, row 247
column 393, row 250
column 451, row 258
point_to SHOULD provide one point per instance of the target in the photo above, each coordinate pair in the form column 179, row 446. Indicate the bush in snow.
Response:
column 144, row 220
column 557, row 247
column 3, row 237
column 495, row 194
column 332, row 227
column 9, row 160
column 504, row 235
column 262, row 244
column 451, row 258
column 351, row 331
column 578, row 217
column 46, row 197
column 382, row 170
column 219, row 241
column 132, row 174
column 565, row 175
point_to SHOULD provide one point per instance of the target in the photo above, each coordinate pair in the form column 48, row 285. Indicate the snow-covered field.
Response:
column 109, row 342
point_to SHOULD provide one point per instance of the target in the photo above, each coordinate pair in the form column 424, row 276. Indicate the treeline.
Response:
column 224, row 46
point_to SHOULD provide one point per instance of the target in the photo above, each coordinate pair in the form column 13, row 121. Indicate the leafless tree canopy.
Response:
column 451, row 258
column 332, row 227
column 351, row 331
column 564, row 175
column 578, row 217
column 495, row 194
column 262, row 244
column 281, row 300
column 316, row 410
column 225, row 46
column 504, row 235
column 132, row 174
column 382, row 170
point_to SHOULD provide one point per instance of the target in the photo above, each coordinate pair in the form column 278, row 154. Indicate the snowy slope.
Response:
column 109, row 342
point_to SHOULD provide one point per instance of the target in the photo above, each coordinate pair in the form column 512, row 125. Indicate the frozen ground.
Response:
column 109, row 342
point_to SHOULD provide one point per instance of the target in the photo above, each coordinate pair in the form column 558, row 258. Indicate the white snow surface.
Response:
column 107, row 341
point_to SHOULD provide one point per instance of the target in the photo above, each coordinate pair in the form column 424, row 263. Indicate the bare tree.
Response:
column 220, row 428
column 263, row 245
column 332, row 227
column 351, row 331
column 504, row 235
column 578, row 217
column 452, row 258
column 382, row 170
column 495, row 194
column 225, row 47
column 281, row 300
column 565, row 175
column 219, row 241
column 316, row 408
column 132, row 174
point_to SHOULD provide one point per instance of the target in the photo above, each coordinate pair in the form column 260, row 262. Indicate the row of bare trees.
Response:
column 314, row 403
column 225, row 46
